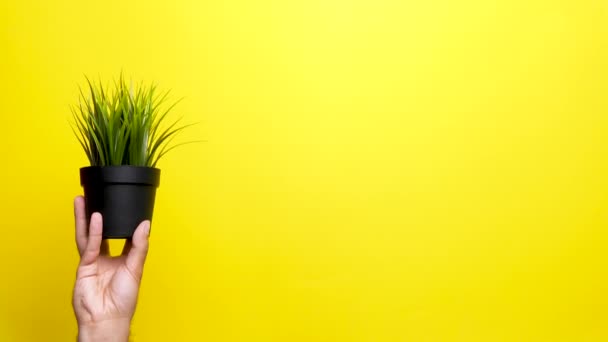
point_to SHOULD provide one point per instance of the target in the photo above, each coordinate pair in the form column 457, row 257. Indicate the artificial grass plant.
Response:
column 124, row 124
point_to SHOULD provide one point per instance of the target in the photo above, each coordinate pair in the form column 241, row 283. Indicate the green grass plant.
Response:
column 125, row 124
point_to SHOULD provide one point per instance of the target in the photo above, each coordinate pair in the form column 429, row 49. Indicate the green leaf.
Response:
column 121, row 124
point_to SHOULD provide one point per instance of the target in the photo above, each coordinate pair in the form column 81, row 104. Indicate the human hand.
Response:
column 106, row 289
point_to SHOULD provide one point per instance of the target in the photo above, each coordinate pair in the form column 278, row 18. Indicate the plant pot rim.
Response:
column 118, row 167
column 120, row 174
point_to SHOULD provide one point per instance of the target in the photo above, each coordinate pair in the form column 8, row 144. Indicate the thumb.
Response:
column 139, row 249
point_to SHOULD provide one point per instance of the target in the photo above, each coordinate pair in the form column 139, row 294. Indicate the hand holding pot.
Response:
column 106, row 289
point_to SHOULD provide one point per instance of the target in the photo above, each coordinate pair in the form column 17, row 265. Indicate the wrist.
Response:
column 114, row 330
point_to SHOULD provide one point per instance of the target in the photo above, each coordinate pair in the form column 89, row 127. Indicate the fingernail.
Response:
column 147, row 228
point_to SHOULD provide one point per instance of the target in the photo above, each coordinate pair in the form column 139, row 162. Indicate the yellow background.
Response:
column 375, row 170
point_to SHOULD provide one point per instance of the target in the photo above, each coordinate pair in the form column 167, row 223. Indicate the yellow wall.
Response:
column 380, row 170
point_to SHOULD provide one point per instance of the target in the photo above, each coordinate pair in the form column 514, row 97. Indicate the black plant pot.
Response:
column 124, row 195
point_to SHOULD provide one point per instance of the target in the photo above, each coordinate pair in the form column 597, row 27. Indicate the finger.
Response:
column 127, row 247
column 80, row 219
column 139, row 250
column 91, row 251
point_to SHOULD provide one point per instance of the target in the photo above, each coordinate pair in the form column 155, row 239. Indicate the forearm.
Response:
column 106, row 331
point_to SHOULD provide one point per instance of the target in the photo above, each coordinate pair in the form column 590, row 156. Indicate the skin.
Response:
column 106, row 288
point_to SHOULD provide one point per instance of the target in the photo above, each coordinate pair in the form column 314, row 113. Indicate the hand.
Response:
column 105, row 293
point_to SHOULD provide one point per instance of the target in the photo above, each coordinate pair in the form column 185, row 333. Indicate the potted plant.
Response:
column 124, row 131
